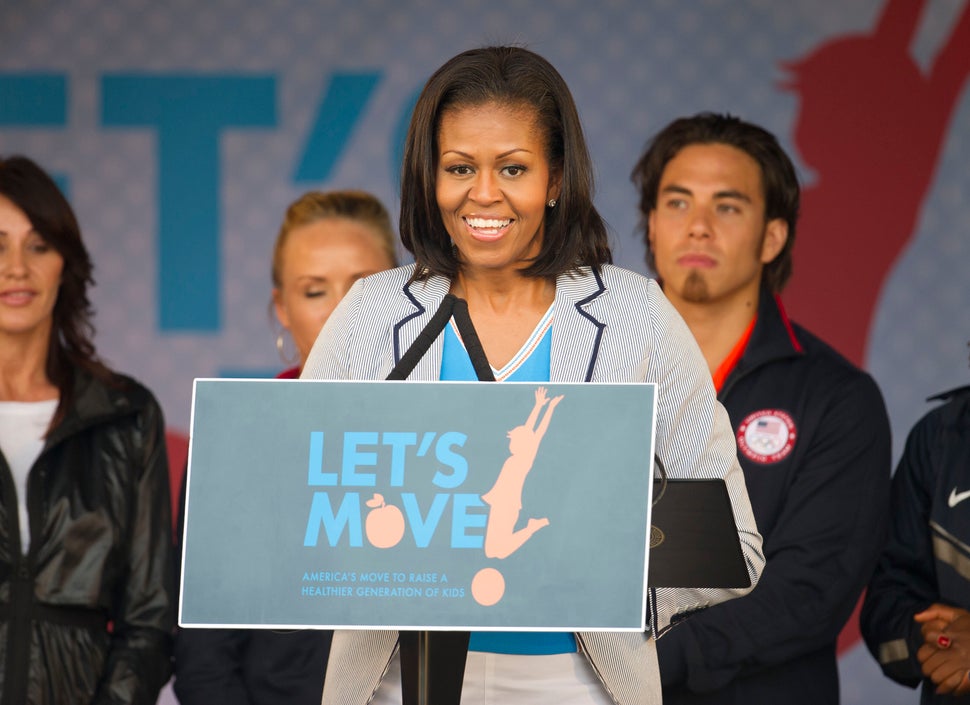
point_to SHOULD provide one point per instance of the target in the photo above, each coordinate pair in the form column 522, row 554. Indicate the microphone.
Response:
column 450, row 305
column 425, row 338
column 450, row 649
column 473, row 345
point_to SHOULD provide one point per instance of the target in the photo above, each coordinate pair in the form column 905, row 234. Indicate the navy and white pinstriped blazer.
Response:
column 610, row 326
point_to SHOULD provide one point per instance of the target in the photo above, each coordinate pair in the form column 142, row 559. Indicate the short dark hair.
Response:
column 778, row 177
column 575, row 234
column 30, row 188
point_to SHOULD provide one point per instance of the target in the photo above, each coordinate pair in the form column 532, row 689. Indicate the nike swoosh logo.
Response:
column 957, row 497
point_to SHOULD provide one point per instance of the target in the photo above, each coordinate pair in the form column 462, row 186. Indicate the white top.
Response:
column 22, row 428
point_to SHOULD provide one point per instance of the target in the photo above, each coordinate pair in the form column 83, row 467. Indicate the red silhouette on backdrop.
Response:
column 871, row 126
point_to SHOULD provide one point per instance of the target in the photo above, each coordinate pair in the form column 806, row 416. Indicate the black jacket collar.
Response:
column 774, row 338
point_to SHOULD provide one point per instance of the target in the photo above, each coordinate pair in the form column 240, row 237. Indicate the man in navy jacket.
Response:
column 916, row 617
column 719, row 201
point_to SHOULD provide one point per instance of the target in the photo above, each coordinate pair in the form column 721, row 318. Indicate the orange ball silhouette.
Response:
column 488, row 586
column 385, row 523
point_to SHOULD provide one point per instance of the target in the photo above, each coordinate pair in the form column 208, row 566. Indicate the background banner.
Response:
column 181, row 130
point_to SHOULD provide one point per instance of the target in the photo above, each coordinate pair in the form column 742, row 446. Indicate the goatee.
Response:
column 695, row 289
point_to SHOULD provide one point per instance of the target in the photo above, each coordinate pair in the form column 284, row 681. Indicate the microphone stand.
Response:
column 433, row 663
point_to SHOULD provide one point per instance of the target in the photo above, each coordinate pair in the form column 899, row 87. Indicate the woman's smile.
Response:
column 492, row 185
column 487, row 229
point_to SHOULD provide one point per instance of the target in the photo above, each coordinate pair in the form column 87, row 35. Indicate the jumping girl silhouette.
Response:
column 505, row 497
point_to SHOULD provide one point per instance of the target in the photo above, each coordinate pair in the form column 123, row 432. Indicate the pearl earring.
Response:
column 552, row 203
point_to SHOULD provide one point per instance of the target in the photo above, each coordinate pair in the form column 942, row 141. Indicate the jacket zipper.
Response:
column 18, row 635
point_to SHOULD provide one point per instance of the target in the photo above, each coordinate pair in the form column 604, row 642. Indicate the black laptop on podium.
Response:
column 693, row 539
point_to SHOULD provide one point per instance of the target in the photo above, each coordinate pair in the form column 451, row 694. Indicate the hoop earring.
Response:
column 288, row 359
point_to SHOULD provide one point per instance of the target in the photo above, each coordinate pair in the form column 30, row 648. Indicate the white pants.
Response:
column 508, row 679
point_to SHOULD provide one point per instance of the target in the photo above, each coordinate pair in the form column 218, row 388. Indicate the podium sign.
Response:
column 414, row 505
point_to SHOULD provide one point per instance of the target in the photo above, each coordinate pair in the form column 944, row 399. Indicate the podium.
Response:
column 693, row 538
column 358, row 505
column 693, row 543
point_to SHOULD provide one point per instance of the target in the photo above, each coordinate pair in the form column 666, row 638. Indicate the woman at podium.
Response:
column 497, row 209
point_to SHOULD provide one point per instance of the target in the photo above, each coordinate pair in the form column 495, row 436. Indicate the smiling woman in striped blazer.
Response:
column 497, row 210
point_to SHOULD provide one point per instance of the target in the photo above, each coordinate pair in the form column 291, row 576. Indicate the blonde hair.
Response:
column 359, row 206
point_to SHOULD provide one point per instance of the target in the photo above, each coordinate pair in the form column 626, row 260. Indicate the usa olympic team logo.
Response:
column 767, row 436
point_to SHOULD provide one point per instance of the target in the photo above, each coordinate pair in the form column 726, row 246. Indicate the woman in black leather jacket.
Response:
column 86, row 557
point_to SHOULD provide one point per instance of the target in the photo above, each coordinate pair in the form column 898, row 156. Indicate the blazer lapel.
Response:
column 576, row 334
column 423, row 299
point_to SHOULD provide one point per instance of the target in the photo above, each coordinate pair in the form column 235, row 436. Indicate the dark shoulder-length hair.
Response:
column 778, row 177
column 575, row 235
column 29, row 188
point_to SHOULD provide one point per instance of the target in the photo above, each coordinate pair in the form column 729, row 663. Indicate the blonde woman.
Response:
column 326, row 243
